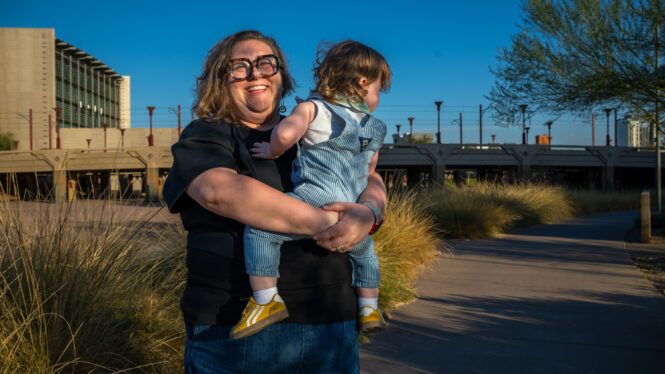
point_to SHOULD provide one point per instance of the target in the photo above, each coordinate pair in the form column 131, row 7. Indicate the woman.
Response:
column 217, row 188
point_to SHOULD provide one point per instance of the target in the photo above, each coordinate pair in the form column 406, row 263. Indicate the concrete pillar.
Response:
column 439, row 173
column 525, row 171
column 151, row 183
column 412, row 176
column 59, row 186
column 608, row 178
column 646, row 216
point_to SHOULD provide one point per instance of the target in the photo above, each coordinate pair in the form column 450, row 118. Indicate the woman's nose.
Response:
column 255, row 73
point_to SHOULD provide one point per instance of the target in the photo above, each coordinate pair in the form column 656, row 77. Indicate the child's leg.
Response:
column 264, row 288
column 365, row 267
column 366, row 277
column 266, row 307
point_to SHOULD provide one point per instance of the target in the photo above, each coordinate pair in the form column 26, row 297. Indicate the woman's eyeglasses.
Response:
column 241, row 68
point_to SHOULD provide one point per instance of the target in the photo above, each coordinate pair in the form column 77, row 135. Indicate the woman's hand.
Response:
column 355, row 221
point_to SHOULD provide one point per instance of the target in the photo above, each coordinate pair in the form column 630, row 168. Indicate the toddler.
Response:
column 339, row 143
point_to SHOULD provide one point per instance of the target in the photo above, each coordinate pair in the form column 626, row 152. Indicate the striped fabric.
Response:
column 326, row 172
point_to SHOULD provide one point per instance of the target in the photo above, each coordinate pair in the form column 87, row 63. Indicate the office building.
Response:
column 39, row 73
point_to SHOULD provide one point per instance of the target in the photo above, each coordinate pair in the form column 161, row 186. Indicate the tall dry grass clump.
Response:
column 407, row 242
column 487, row 209
column 88, row 292
column 590, row 202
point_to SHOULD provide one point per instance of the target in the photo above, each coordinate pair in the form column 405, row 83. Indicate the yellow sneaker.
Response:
column 257, row 317
column 371, row 320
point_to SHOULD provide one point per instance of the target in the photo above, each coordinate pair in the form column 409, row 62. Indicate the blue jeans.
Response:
column 280, row 348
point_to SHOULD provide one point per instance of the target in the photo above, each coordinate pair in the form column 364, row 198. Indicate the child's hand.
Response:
column 262, row 150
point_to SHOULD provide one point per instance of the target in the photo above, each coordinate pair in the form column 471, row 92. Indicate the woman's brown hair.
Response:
column 340, row 68
column 212, row 96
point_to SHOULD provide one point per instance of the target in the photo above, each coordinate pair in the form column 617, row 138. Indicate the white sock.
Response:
column 264, row 296
column 368, row 301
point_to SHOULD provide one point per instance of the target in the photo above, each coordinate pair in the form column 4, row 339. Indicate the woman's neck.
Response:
column 267, row 124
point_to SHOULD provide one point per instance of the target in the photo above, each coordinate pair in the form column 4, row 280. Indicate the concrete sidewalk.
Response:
column 561, row 298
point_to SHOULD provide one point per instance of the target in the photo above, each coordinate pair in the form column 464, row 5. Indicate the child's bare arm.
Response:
column 287, row 132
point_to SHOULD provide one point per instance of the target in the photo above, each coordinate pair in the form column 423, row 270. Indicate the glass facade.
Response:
column 87, row 90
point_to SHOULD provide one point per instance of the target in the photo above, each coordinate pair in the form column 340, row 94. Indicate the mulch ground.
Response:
column 651, row 262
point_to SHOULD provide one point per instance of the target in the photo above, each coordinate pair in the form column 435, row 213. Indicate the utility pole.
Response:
column 176, row 112
column 179, row 128
column 593, row 128
column 480, row 115
column 523, row 107
column 460, row 128
column 608, row 139
column 616, row 133
column 150, row 109
column 438, row 121
column 657, row 115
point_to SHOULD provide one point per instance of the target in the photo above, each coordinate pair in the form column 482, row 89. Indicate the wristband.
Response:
column 377, row 216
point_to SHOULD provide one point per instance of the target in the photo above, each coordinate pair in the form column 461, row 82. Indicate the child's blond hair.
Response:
column 340, row 68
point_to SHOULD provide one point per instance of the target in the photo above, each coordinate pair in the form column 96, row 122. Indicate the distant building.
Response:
column 631, row 132
column 39, row 72
column 413, row 138
column 543, row 140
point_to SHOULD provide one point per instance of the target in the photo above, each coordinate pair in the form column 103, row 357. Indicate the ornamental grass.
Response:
column 487, row 209
column 88, row 291
column 406, row 244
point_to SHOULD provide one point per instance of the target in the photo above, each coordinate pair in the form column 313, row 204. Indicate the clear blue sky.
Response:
column 438, row 50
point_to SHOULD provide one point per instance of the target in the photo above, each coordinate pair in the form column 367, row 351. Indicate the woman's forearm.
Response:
column 246, row 200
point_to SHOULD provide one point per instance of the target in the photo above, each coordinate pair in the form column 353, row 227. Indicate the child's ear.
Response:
column 363, row 81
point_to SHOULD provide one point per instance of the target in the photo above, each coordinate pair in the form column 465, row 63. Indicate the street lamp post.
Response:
column 88, row 140
column 410, row 127
column 398, row 138
column 608, row 139
column 438, row 121
column 549, row 133
column 150, row 139
column 527, row 134
column 523, row 107
column 493, row 138
column 122, row 137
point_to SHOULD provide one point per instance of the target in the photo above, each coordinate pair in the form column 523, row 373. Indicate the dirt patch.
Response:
column 649, row 258
column 653, row 269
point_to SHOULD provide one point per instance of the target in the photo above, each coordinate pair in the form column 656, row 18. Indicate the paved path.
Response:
column 561, row 298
